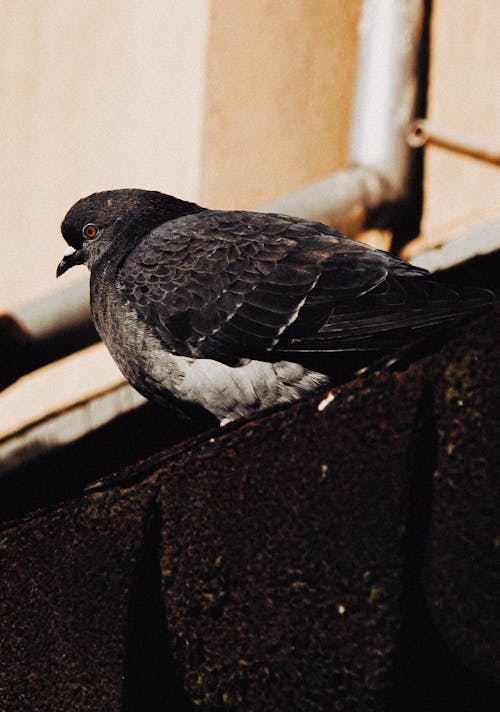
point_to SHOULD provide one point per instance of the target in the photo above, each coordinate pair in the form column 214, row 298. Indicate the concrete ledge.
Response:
column 278, row 565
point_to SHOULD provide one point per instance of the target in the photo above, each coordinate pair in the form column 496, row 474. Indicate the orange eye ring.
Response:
column 90, row 231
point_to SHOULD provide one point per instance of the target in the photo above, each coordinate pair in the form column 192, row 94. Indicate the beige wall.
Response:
column 226, row 101
column 95, row 94
column 279, row 84
column 464, row 96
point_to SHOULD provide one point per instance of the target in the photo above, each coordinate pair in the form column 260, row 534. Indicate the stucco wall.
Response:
column 94, row 95
column 279, row 84
column 463, row 96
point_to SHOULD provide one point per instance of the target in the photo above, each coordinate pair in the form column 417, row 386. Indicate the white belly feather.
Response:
column 229, row 392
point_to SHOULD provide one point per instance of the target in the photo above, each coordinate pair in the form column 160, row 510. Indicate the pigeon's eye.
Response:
column 90, row 231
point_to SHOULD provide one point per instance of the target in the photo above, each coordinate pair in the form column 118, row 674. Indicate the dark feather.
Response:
column 232, row 285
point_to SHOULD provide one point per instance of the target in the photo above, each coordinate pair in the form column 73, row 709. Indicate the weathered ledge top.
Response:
column 339, row 554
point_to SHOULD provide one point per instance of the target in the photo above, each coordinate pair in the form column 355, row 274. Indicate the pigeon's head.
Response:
column 94, row 223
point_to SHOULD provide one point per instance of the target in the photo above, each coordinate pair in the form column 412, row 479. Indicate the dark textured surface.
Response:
column 65, row 580
column 282, row 555
column 278, row 565
column 465, row 532
column 63, row 472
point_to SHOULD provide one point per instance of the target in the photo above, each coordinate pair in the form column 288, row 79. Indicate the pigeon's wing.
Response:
column 405, row 306
column 223, row 285
column 232, row 285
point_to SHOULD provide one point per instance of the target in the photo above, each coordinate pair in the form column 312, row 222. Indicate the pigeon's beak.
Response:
column 70, row 258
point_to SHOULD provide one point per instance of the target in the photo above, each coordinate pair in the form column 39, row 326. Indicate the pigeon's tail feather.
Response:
column 396, row 313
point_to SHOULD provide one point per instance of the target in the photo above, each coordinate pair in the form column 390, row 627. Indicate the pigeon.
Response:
column 231, row 312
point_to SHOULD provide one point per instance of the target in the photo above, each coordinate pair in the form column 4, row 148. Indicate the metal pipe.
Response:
column 343, row 199
column 386, row 89
column 379, row 156
column 423, row 131
column 384, row 105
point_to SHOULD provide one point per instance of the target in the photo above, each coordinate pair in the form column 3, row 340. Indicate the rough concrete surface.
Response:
column 335, row 555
